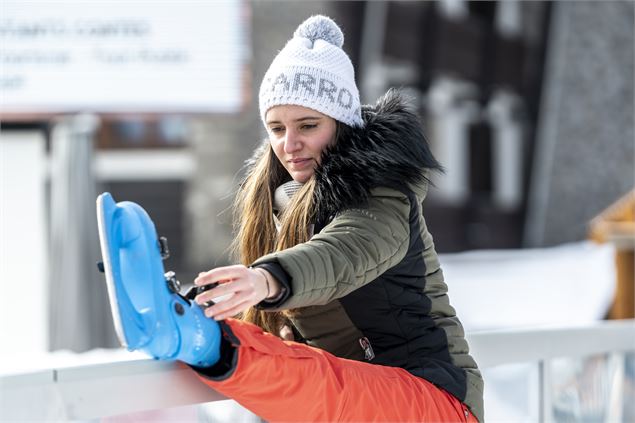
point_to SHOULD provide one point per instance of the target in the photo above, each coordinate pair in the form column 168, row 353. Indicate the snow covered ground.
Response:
column 569, row 284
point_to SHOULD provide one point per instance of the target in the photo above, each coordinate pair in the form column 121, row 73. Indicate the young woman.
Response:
column 337, row 258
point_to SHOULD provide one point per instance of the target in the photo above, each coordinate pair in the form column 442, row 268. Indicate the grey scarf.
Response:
column 281, row 199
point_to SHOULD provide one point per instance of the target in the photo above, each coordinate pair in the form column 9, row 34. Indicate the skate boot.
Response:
column 148, row 311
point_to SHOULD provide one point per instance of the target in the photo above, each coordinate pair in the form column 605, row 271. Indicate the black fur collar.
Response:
column 390, row 150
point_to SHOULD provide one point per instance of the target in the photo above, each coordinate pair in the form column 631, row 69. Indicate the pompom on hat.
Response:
column 313, row 71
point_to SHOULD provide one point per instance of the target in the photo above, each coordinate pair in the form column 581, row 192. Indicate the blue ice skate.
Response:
column 148, row 312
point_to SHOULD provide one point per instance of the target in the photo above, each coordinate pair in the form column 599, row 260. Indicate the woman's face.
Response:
column 298, row 136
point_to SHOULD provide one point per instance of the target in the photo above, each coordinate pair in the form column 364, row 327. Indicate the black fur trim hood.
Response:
column 389, row 150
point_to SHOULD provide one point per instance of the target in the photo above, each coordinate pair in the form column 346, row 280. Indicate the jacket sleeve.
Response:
column 352, row 250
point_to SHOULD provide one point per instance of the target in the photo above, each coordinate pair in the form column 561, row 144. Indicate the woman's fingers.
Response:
column 226, row 288
column 231, row 300
column 220, row 274
column 227, row 310
column 240, row 286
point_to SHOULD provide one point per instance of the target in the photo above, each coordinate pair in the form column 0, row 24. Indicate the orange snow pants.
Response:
column 288, row 381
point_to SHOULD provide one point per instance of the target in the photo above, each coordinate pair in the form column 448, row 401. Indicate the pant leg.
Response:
column 288, row 381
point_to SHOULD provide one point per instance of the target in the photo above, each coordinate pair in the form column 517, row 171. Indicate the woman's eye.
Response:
column 309, row 126
column 276, row 129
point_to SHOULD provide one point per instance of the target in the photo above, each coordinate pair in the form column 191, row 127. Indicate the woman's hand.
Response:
column 286, row 333
column 243, row 286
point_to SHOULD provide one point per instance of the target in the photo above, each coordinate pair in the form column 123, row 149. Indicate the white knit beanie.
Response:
column 313, row 71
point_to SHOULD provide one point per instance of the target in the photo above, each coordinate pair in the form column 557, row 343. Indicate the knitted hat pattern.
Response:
column 313, row 71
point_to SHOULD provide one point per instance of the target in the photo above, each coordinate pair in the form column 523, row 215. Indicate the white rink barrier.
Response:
column 100, row 390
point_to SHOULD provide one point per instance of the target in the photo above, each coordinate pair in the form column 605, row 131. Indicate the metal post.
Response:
column 546, row 409
column 78, row 315
column 615, row 400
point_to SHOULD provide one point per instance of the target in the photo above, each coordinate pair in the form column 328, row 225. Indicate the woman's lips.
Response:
column 299, row 163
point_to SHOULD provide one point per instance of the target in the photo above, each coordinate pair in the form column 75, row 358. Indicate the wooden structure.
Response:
column 616, row 224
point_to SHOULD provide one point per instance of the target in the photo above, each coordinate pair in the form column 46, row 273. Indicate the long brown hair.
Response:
column 256, row 233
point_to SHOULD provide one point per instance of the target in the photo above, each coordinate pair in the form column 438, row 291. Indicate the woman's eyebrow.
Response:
column 302, row 119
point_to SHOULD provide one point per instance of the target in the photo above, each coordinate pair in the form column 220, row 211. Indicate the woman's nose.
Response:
column 292, row 142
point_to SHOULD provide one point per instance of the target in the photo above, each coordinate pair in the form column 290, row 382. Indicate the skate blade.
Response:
column 110, row 280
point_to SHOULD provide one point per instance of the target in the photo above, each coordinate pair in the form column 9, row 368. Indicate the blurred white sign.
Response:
column 122, row 56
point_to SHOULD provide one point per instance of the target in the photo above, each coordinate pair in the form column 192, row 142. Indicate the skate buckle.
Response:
column 195, row 290
column 173, row 283
column 163, row 247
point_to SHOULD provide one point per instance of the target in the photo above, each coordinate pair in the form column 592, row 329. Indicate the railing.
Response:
column 542, row 346
column 93, row 391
